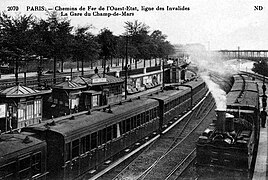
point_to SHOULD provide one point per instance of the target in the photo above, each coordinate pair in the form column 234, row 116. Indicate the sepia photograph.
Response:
column 133, row 90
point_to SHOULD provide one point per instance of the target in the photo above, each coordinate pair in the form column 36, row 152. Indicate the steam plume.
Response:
column 211, row 65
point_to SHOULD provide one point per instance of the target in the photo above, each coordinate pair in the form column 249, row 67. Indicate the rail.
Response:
column 175, row 143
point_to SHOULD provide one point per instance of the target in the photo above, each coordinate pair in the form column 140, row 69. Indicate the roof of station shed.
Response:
column 97, row 79
column 70, row 85
column 21, row 91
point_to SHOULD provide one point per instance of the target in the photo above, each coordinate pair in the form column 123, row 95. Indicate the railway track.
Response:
column 170, row 151
column 175, row 173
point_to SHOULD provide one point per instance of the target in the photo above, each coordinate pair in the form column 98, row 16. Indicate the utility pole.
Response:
column 104, row 66
column 54, row 70
column 238, row 52
column 16, row 72
column 163, row 74
column 126, row 68
column 238, row 57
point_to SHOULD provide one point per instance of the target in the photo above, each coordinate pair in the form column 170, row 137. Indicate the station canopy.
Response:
column 98, row 79
column 21, row 91
column 70, row 85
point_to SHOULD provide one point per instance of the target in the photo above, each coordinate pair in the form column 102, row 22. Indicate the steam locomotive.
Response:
column 70, row 146
column 230, row 142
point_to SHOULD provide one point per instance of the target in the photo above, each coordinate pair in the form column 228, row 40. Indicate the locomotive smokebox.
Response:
column 220, row 123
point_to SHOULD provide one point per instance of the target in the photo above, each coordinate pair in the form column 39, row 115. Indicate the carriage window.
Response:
column 94, row 141
column 151, row 114
column 138, row 120
column 109, row 133
column 83, row 145
column 102, row 136
column 166, row 107
column 147, row 116
column 156, row 112
column 115, row 131
column 133, row 122
column 87, row 142
column 123, row 126
column 36, row 163
column 128, row 124
column 75, row 148
column 7, row 170
column 68, row 152
column 143, row 118
column 24, row 167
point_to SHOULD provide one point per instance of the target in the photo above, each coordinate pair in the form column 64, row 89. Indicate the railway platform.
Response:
column 261, row 165
column 34, row 74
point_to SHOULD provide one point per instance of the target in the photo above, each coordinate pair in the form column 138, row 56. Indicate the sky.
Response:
column 217, row 24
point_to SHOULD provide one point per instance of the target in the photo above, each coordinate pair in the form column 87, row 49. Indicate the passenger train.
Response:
column 230, row 142
column 70, row 146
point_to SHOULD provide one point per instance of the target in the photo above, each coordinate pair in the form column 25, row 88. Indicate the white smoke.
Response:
column 209, row 65
column 218, row 94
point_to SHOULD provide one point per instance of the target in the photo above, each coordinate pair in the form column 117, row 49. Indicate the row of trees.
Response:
column 25, row 37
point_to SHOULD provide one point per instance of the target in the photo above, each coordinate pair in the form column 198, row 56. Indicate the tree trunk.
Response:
column 144, row 63
column 123, row 64
column 104, row 66
column 54, row 71
column 62, row 65
column 82, row 67
column 16, row 72
column 77, row 64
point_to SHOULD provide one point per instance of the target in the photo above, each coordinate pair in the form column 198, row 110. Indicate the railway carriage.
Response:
column 178, row 98
column 81, row 143
column 22, row 156
column 75, row 144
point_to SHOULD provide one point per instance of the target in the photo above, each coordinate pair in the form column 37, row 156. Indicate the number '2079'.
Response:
column 12, row 8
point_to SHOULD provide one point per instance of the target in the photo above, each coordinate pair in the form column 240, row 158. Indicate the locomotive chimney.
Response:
column 220, row 124
column 229, row 125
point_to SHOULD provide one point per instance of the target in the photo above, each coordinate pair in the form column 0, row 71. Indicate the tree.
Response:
column 84, row 46
column 139, row 40
column 161, row 48
column 52, row 38
column 107, row 42
column 16, row 39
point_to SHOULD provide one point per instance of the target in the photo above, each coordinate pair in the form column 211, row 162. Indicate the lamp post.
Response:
column 126, row 68
column 163, row 72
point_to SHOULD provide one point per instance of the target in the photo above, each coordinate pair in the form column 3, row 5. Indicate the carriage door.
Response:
column 75, row 158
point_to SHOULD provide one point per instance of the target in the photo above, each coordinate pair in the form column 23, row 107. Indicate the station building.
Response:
column 64, row 100
column 20, row 106
column 101, row 90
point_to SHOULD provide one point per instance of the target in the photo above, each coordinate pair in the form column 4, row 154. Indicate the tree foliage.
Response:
column 26, row 36
column 16, row 37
